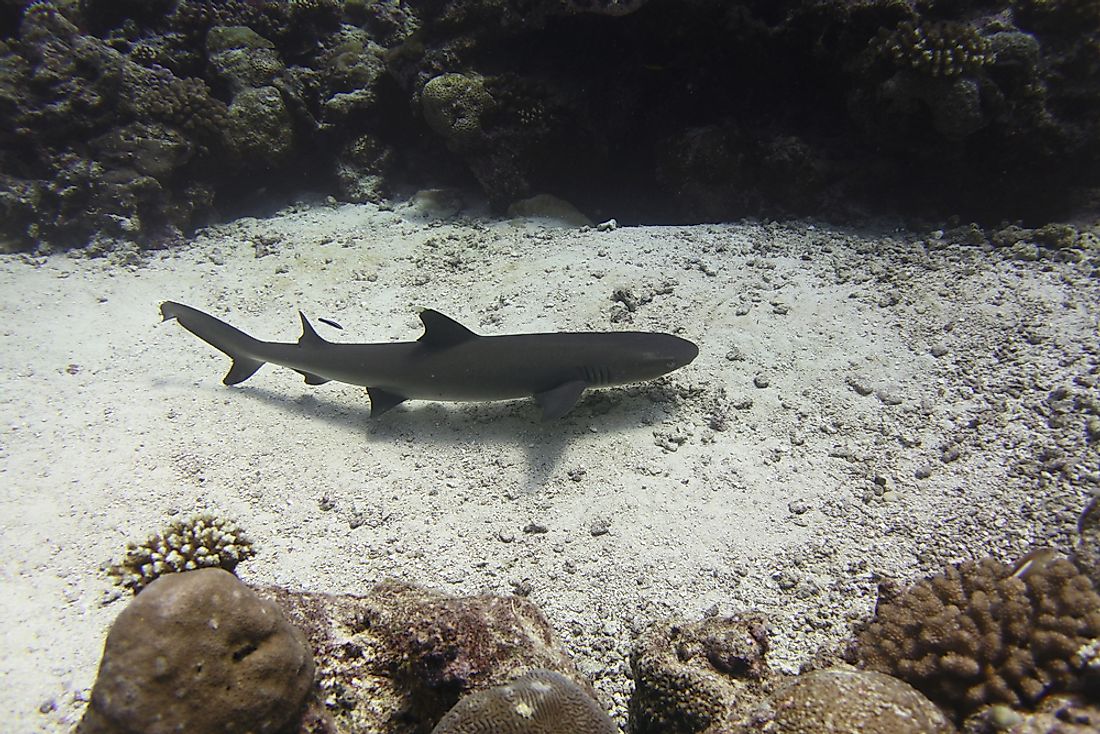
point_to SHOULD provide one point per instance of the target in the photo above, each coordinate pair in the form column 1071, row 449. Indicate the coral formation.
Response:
column 944, row 48
column 259, row 126
column 698, row 677
column 453, row 106
column 842, row 700
column 401, row 656
column 199, row 652
column 986, row 633
column 202, row 541
column 537, row 702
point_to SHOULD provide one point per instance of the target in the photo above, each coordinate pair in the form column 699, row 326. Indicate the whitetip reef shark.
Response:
column 449, row 362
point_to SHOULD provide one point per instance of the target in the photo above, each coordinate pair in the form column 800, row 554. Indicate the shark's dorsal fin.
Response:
column 442, row 331
column 309, row 337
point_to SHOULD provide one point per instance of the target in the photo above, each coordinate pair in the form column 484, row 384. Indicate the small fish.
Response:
column 1034, row 562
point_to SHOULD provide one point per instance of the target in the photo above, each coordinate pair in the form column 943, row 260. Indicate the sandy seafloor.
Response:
column 863, row 405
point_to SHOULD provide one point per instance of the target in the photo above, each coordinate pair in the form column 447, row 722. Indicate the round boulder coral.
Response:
column 987, row 633
column 453, row 105
column 845, row 701
column 199, row 652
column 538, row 702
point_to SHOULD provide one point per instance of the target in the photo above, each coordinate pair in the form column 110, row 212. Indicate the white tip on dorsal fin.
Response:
column 442, row 331
column 309, row 337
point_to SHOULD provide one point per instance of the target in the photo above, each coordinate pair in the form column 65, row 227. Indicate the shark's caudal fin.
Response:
column 219, row 335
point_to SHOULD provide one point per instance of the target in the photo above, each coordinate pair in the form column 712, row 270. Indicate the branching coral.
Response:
column 937, row 49
column 158, row 95
column 984, row 633
column 203, row 541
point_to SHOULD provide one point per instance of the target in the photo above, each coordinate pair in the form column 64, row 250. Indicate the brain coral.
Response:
column 202, row 541
column 199, row 652
column 538, row 702
column 986, row 633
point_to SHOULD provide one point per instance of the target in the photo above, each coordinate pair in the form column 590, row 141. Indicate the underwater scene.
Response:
column 550, row 366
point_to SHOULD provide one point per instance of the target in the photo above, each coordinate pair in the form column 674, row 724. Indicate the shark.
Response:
column 449, row 362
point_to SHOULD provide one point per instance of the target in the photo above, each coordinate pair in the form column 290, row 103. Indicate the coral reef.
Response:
column 398, row 658
column 199, row 652
column 987, row 633
column 699, row 677
column 537, row 702
column 842, row 700
column 202, row 541
column 632, row 109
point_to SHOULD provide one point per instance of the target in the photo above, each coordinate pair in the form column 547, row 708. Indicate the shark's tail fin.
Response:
column 220, row 335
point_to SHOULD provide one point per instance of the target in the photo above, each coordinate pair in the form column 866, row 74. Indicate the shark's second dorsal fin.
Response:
column 309, row 337
column 442, row 331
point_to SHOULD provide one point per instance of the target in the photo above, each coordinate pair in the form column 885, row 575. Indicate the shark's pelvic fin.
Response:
column 312, row 379
column 442, row 331
column 382, row 401
column 558, row 401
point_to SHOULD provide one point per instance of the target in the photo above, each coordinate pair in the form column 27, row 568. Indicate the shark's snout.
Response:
column 684, row 352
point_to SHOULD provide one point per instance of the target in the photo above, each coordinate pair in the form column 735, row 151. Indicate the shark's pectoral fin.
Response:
column 383, row 400
column 312, row 379
column 558, row 401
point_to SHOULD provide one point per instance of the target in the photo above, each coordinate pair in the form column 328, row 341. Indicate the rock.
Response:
column 1058, row 714
column 846, row 701
column 1086, row 554
column 398, row 658
column 199, row 652
column 242, row 58
column 549, row 210
column 260, row 127
column 704, row 676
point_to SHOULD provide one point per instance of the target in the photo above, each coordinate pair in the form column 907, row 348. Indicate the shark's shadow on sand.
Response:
column 492, row 424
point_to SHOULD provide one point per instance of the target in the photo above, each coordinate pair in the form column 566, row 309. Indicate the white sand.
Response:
column 113, row 423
